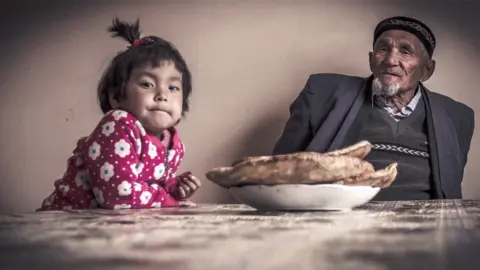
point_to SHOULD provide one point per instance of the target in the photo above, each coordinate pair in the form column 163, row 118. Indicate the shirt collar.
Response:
column 410, row 107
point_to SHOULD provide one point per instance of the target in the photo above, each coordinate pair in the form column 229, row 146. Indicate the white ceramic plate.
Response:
column 304, row 197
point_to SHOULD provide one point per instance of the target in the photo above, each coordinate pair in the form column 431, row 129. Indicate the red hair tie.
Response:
column 135, row 43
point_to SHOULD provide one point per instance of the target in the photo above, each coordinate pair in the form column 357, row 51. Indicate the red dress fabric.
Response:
column 119, row 166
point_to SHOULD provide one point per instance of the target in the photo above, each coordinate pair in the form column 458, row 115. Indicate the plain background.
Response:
column 249, row 60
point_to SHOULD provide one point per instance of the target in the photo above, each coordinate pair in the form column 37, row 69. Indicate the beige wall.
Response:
column 249, row 61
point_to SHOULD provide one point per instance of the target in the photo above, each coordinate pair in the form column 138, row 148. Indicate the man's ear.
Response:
column 428, row 70
column 370, row 61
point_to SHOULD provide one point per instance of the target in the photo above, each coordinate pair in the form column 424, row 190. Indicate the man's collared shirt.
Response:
column 405, row 111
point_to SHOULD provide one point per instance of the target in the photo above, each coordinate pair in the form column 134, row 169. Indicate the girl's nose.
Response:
column 161, row 96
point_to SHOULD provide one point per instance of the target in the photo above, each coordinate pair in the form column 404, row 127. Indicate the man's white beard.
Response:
column 379, row 89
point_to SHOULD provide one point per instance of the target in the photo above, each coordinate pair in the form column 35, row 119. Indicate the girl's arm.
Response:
column 112, row 162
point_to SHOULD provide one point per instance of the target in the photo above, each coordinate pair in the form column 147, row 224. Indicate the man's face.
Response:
column 398, row 63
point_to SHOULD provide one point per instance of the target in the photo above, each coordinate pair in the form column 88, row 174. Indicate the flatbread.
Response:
column 344, row 166
column 359, row 150
column 381, row 178
column 298, row 168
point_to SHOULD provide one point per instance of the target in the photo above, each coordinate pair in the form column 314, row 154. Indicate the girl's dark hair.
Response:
column 150, row 50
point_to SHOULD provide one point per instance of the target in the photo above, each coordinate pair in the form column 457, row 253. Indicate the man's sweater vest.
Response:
column 404, row 142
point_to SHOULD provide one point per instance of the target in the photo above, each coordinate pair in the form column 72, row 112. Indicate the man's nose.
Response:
column 391, row 58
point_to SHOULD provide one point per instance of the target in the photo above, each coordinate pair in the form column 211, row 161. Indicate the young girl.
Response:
column 131, row 157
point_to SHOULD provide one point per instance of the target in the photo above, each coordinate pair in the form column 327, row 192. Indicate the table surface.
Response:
column 380, row 235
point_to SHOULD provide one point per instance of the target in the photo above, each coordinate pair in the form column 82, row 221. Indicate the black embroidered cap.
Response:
column 416, row 27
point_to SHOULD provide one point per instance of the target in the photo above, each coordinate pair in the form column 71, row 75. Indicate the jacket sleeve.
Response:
column 297, row 132
column 467, row 130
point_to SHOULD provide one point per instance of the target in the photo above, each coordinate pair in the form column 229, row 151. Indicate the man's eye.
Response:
column 381, row 50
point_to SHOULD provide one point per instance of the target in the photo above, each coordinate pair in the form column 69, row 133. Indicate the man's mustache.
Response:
column 392, row 72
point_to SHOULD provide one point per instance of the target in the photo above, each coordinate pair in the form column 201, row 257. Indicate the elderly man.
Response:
column 426, row 133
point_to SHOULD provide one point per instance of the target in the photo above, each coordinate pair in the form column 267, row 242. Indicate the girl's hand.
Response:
column 187, row 185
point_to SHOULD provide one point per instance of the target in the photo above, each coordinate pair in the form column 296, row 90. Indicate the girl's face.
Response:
column 154, row 96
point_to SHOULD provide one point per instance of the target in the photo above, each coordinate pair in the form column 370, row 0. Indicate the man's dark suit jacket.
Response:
column 326, row 108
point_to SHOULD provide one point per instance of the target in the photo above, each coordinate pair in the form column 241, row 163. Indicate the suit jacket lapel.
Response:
column 443, row 138
column 349, row 119
column 333, row 130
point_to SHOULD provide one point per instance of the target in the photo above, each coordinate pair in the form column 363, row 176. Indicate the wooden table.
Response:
column 381, row 235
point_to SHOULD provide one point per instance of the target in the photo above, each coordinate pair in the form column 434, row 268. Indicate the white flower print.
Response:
column 82, row 179
column 106, row 171
column 108, row 128
column 98, row 195
column 137, row 186
column 177, row 160
column 145, row 197
column 48, row 201
column 140, row 167
column 152, row 150
column 133, row 167
column 139, row 146
column 94, row 150
column 140, row 127
column 137, row 168
column 171, row 154
column 64, row 189
column 156, row 205
column 119, row 114
column 159, row 170
column 154, row 186
column 122, row 206
column 122, row 148
column 124, row 189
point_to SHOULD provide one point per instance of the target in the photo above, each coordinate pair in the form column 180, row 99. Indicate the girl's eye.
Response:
column 146, row 85
column 173, row 88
